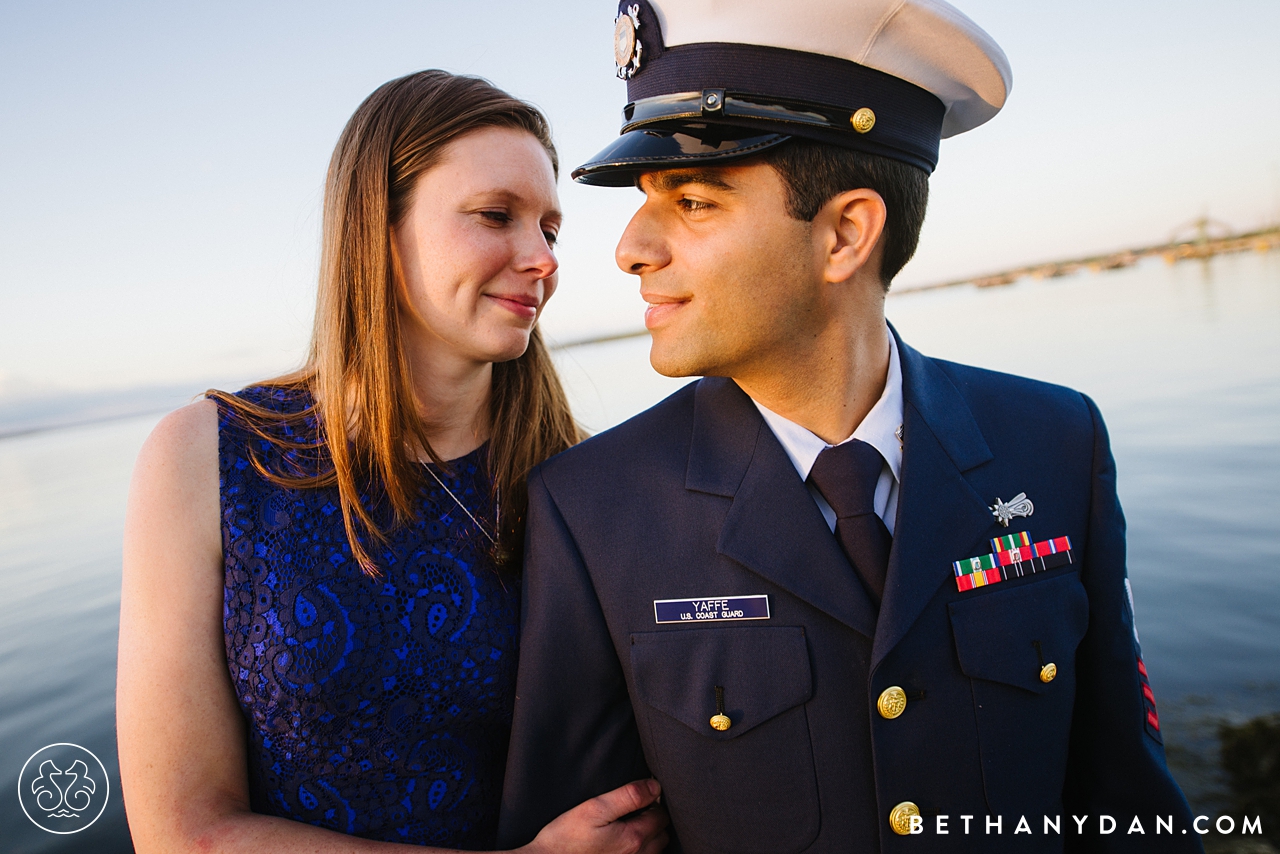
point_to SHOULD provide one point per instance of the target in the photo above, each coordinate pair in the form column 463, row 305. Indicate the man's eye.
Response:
column 551, row 237
column 693, row 205
column 497, row 217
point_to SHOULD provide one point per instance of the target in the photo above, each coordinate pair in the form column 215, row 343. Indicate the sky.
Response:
column 162, row 164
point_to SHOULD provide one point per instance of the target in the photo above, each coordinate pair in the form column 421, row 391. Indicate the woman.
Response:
column 343, row 542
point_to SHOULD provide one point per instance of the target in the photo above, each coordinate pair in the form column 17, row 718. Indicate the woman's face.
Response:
column 475, row 248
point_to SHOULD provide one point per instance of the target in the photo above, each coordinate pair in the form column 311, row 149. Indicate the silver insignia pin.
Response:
column 1019, row 506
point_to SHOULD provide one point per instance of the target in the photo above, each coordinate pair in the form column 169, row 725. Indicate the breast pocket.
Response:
column 1018, row 646
column 751, row 787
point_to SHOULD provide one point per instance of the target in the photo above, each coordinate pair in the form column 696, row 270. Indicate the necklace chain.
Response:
column 497, row 507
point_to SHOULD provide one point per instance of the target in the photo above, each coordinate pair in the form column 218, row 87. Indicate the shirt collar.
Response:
column 878, row 429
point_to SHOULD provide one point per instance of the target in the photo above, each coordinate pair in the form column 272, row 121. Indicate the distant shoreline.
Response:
column 44, row 414
column 17, row 432
column 1200, row 247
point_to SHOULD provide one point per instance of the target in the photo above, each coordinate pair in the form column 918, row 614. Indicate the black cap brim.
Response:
column 653, row 149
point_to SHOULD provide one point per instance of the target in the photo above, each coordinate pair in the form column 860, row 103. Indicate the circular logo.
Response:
column 627, row 46
column 63, row 788
column 624, row 40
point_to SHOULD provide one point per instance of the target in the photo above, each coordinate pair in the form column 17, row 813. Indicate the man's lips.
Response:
column 661, row 308
column 522, row 305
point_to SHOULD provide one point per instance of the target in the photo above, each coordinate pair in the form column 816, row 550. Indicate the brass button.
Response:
column 1048, row 672
column 892, row 702
column 720, row 721
column 863, row 120
column 900, row 817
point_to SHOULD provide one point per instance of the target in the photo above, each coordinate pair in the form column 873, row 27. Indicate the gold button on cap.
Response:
column 720, row 722
column 863, row 120
column 1048, row 672
column 900, row 817
column 892, row 702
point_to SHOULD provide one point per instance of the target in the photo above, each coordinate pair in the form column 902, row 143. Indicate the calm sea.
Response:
column 1184, row 362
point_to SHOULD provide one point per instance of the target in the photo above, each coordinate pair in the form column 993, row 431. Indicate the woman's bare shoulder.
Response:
column 185, row 436
column 173, row 499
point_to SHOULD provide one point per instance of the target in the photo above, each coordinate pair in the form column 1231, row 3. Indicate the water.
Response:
column 1184, row 362
column 62, row 497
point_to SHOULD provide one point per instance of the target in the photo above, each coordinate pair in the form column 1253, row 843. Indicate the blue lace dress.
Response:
column 375, row 707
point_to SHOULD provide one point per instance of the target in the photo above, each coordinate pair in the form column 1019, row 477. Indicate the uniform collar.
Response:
column 878, row 429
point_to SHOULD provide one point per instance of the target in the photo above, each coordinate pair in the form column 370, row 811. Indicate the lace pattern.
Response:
column 375, row 707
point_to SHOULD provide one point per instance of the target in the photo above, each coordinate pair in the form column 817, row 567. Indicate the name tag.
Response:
column 713, row 608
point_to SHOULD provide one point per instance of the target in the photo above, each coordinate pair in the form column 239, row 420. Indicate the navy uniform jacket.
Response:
column 696, row 498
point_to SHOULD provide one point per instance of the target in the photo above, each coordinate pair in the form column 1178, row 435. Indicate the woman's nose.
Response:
column 539, row 257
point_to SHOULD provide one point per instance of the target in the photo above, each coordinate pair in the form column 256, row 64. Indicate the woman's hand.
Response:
column 628, row 820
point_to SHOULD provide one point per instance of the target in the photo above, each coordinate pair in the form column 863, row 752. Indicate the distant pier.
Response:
column 1201, row 243
column 1202, row 238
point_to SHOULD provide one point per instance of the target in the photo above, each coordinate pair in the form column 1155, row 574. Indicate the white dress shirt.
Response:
column 879, row 430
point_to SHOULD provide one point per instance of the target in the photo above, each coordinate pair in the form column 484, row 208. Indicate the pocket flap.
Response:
column 995, row 632
column 764, row 671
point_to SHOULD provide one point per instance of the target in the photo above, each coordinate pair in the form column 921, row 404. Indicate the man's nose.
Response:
column 641, row 249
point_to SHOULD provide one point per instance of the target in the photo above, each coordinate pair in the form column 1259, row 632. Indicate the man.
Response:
column 791, row 591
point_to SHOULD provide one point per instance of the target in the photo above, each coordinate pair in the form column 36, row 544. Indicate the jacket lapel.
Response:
column 773, row 527
column 939, row 513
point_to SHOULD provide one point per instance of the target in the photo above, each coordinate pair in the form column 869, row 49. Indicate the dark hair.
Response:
column 357, row 371
column 816, row 172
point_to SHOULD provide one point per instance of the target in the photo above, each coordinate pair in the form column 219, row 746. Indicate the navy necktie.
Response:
column 846, row 475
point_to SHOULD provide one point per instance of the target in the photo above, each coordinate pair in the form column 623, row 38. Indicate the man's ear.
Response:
column 852, row 225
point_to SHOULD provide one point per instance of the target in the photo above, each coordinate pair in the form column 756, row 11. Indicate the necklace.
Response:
column 497, row 512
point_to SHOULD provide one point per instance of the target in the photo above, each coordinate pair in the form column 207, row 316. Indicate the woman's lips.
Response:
column 518, row 304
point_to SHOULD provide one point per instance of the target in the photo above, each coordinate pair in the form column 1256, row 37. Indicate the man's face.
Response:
column 731, row 279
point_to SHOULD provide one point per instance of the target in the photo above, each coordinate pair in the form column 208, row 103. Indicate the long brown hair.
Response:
column 357, row 373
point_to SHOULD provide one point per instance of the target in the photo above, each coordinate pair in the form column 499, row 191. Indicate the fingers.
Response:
column 648, row 823
column 647, row 830
column 627, row 820
column 623, row 800
column 655, row 844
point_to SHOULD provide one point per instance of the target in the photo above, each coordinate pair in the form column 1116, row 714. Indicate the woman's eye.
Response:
column 551, row 237
column 496, row 217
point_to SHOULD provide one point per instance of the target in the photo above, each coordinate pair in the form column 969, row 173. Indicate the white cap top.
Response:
column 926, row 42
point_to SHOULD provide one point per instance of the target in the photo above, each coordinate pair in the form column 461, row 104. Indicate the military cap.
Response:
column 710, row 81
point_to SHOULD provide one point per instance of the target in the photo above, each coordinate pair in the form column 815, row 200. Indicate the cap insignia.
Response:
column 626, row 42
column 863, row 120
